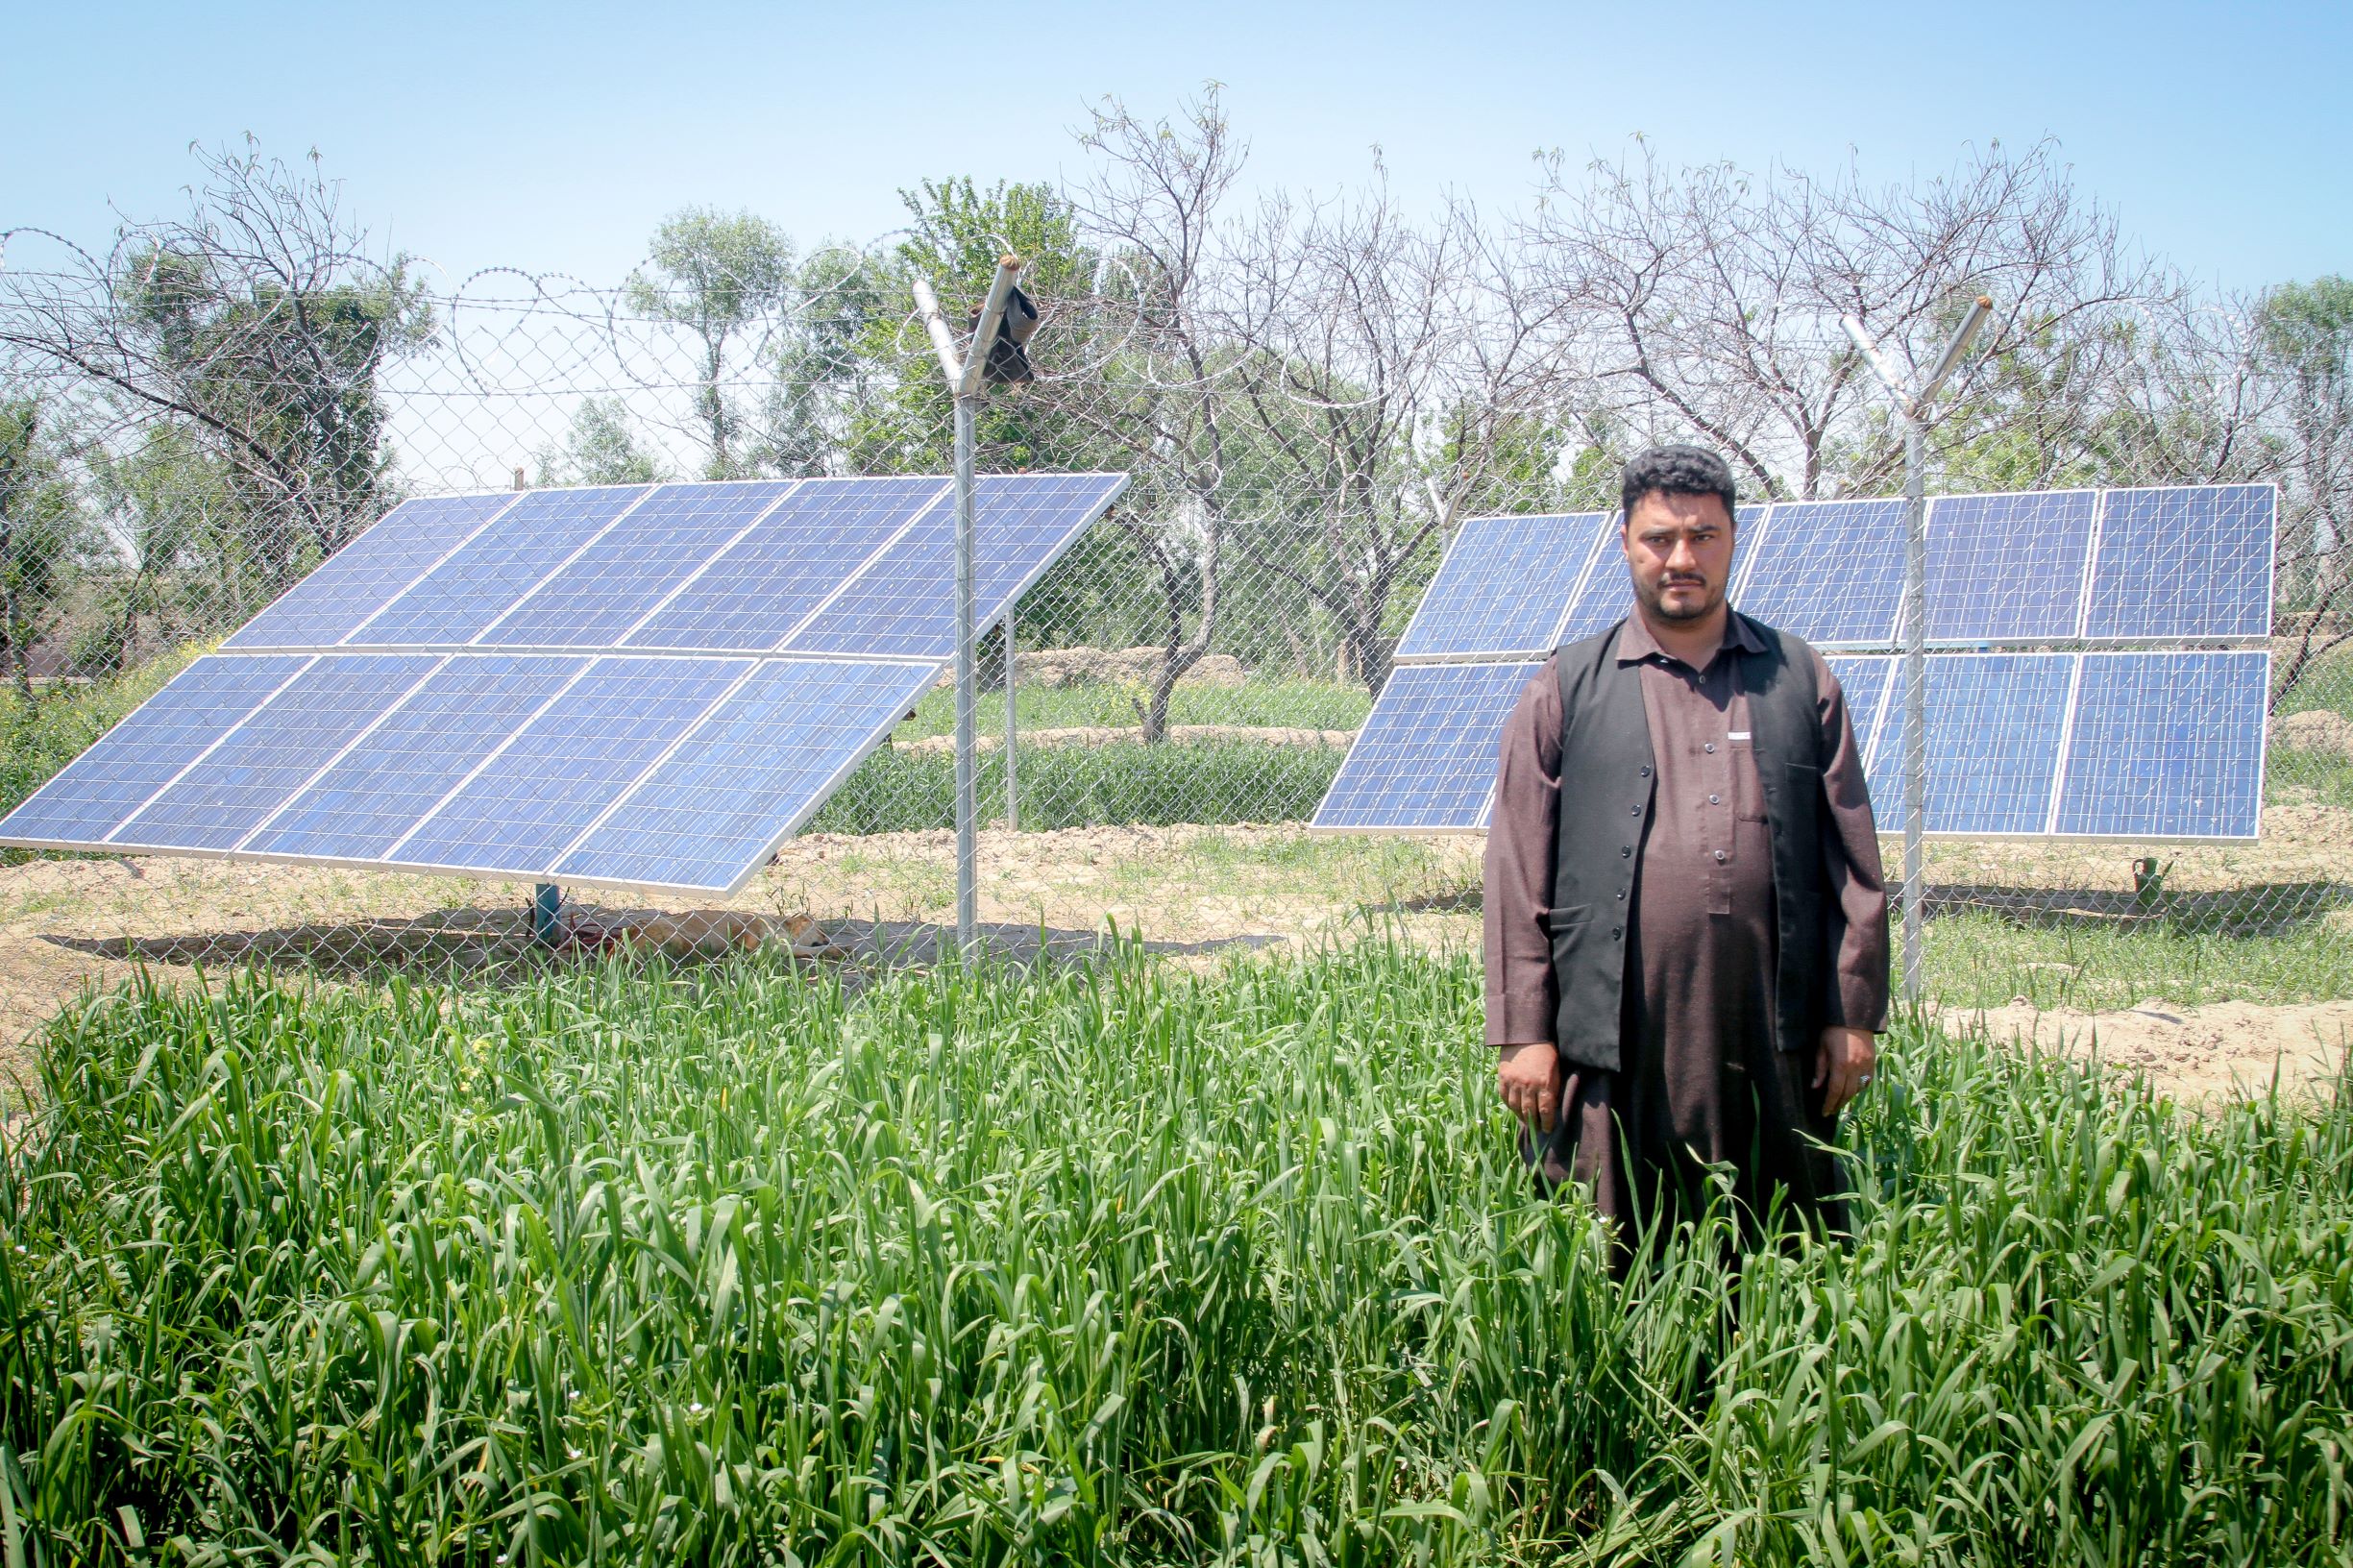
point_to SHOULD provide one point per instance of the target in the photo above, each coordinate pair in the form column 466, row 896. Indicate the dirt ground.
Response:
column 65, row 924
column 2196, row 1054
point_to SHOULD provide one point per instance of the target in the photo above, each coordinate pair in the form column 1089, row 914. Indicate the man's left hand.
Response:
column 1843, row 1064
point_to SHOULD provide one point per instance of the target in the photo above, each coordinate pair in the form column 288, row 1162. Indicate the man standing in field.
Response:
column 1686, row 928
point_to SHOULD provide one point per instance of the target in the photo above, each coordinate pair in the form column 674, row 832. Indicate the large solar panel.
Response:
column 1994, row 725
column 903, row 605
column 139, row 757
column 1829, row 571
column 2009, row 569
column 1874, row 691
column 642, row 685
column 446, row 727
column 1503, row 584
column 2166, row 746
column 754, row 593
column 457, row 601
column 601, row 595
column 751, row 773
column 364, row 575
column 2189, row 562
column 225, row 794
column 1424, row 759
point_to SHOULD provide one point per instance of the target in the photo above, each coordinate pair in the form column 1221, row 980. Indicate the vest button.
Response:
column 1616, row 932
column 1626, row 849
column 1646, row 773
column 1637, row 811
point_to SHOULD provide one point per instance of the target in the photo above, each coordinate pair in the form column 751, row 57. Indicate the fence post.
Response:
column 964, row 383
column 1912, row 406
column 1012, row 726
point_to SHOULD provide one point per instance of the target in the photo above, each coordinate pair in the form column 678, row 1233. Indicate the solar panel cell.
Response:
column 2008, row 568
column 458, row 599
column 2166, row 746
column 386, row 782
column 362, row 577
column 135, row 760
column 1425, row 756
column 754, row 768
column 226, row 794
column 2186, row 562
column 581, row 752
column 1504, row 585
column 606, row 589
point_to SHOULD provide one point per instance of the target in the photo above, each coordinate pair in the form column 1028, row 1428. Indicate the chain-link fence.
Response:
column 1309, row 399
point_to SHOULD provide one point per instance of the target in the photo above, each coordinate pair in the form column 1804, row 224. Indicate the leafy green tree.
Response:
column 2304, row 334
column 826, row 374
column 603, row 447
column 957, row 232
column 171, row 503
column 43, row 535
column 722, row 275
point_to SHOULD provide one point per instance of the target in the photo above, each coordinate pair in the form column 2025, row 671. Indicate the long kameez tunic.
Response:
column 1700, row 1081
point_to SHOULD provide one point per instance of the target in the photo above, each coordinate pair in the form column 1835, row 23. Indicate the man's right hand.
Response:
column 1528, row 1076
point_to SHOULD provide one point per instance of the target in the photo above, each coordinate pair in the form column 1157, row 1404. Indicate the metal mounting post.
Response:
column 1912, row 406
column 963, row 381
column 1013, row 727
column 547, row 914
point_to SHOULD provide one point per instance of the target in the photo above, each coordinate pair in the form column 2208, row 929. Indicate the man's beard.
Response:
column 1654, row 602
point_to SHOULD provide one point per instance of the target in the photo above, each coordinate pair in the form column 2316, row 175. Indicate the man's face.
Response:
column 1679, row 549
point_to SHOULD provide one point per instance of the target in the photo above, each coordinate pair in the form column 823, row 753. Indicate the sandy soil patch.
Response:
column 2194, row 1053
column 69, row 923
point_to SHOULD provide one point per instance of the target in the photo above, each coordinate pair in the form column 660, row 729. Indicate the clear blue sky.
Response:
column 554, row 138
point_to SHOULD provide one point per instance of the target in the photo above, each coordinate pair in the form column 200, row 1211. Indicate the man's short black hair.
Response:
column 1678, row 471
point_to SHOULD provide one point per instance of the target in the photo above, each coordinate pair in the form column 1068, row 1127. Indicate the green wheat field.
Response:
column 1122, row 1264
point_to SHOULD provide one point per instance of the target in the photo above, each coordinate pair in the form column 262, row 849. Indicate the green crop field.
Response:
column 1120, row 1264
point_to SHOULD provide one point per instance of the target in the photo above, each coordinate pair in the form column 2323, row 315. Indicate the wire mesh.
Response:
column 1312, row 401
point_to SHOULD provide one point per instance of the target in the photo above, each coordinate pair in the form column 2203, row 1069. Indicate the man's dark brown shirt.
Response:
column 1700, row 1078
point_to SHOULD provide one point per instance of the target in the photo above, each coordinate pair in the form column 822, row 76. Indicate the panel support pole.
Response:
column 547, row 914
column 967, row 868
column 964, row 383
column 1915, row 694
column 1013, row 729
column 1912, row 407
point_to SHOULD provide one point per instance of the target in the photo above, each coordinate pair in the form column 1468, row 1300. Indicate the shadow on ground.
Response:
column 492, row 947
column 2270, row 908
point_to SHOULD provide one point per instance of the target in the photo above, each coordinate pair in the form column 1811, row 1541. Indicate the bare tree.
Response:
column 1710, row 298
column 1155, row 393
column 1391, row 364
column 259, row 324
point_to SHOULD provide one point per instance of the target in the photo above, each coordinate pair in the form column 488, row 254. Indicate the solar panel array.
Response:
column 634, row 686
column 2089, row 676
